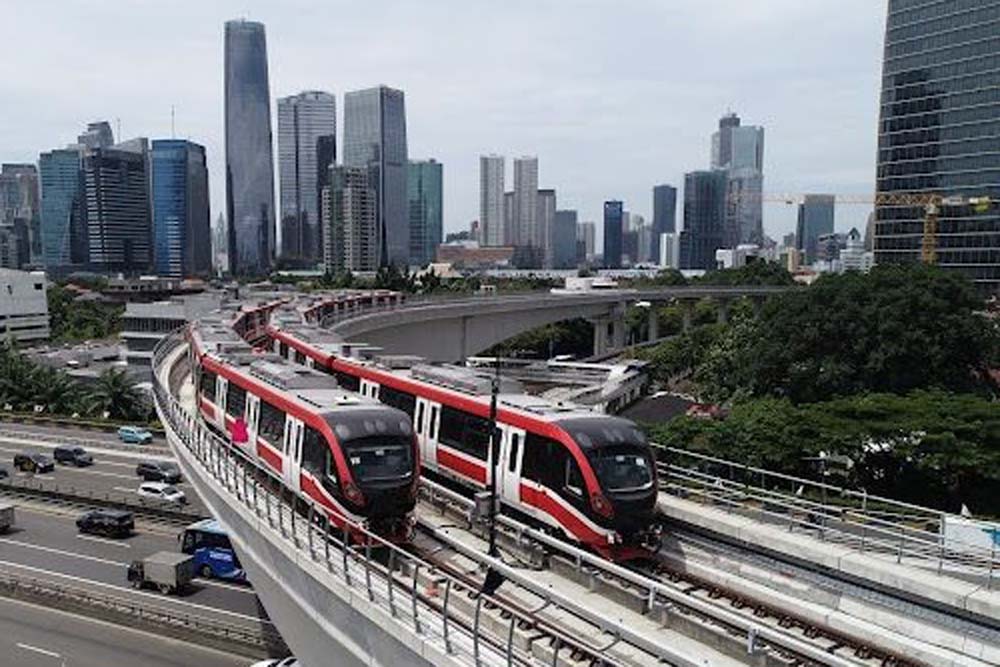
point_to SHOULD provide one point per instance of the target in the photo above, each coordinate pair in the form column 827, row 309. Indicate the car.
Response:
column 135, row 435
column 290, row 661
column 158, row 471
column 33, row 462
column 72, row 455
column 112, row 523
column 160, row 491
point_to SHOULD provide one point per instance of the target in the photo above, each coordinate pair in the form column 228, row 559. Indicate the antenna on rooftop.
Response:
column 173, row 129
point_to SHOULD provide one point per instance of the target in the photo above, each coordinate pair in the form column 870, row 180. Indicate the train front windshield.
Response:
column 380, row 458
column 622, row 469
column 617, row 450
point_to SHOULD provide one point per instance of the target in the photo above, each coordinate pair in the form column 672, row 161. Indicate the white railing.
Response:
column 469, row 626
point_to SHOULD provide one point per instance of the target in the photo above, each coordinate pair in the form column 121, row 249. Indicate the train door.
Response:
column 253, row 424
column 425, row 419
column 369, row 389
column 310, row 362
column 294, row 430
column 511, row 458
column 221, row 391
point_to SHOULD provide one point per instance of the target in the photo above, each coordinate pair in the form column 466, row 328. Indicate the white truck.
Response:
column 167, row 571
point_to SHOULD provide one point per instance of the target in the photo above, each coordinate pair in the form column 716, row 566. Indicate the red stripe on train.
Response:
column 269, row 454
column 461, row 465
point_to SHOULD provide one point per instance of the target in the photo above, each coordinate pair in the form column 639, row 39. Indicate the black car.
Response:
column 158, row 471
column 33, row 462
column 113, row 523
column 72, row 455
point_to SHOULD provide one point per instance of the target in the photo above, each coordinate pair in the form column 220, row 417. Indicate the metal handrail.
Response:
column 353, row 566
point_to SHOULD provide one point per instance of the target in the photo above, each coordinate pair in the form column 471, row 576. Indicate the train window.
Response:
column 313, row 448
column 419, row 421
column 272, row 423
column 543, row 461
column 300, row 358
column 236, row 400
column 398, row 399
column 347, row 381
column 574, row 479
column 515, row 444
column 466, row 433
column 433, row 426
column 452, row 425
column 208, row 384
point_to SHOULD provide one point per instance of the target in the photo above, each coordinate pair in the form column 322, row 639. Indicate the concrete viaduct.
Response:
column 451, row 330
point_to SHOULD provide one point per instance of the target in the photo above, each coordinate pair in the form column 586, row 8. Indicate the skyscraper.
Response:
column 349, row 221
column 564, row 225
column 181, row 223
column 816, row 216
column 937, row 133
column 509, row 214
column 307, row 129
column 613, row 232
column 375, row 136
column 664, row 209
column 63, row 223
column 97, row 135
column 544, row 220
column 116, row 202
column 491, row 200
column 587, row 232
column 739, row 149
column 704, row 218
column 722, row 141
column 425, row 196
column 525, row 214
column 249, row 157
column 20, row 206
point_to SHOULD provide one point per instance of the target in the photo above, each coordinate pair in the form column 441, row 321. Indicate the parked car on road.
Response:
column 112, row 523
column 135, row 435
column 158, row 471
column 33, row 462
column 160, row 491
column 72, row 455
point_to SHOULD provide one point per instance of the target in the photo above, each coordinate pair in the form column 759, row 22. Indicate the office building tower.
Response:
column 375, row 136
column 736, row 146
column 722, row 141
column 664, row 209
column 116, row 204
column 544, row 220
column 704, row 218
column 613, row 231
column 491, row 200
column 249, row 158
column 739, row 149
column 508, row 219
column 20, row 206
column 525, row 218
column 587, row 232
column 220, row 244
column 668, row 250
column 350, row 203
column 307, row 129
column 564, row 228
column 97, row 135
column 181, row 219
column 425, row 196
column 63, row 222
column 816, row 215
column 937, row 134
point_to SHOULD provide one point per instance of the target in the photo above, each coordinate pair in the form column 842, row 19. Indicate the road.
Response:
column 56, row 432
column 34, row 636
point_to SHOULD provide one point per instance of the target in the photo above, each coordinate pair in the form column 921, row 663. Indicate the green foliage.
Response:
column 72, row 319
column 571, row 337
column 754, row 273
column 115, row 394
column 682, row 354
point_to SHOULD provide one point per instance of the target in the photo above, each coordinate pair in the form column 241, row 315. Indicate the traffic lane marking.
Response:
column 102, row 540
column 97, row 462
column 36, row 649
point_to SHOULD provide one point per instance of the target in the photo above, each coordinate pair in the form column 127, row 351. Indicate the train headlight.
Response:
column 353, row 494
column 601, row 505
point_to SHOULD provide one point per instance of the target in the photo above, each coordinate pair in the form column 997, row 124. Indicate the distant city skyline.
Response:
column 577, row 110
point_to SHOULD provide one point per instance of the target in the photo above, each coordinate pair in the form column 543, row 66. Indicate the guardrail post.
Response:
column 312, row 553
column 293, row 510
column 326, row 541
column 510, row 641
column 993, row 560
column 475, row 629
column 389, row 578
column 368, row 571
column 343, row 550
column 267, row 507
column 444, row 616
column 413, row 596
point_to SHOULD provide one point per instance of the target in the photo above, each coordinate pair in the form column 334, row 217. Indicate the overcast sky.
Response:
column 613, row 96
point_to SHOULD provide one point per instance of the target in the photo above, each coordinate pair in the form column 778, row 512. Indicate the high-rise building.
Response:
column 116, row 202
column 425, row 195
column 544, row 220
column 587, row 232
column 564, row 228
column 63, row 221
column 20, row 207
column 722, row 141
column 349, row 221
column 181, row 218
column 491, row 200
column 249, row 156
column 664, row 209
column 816, row 216
column 97, row 135
column 220, row 244
column 739, row 149
column 509, row 214
column 307, row 129
column 525, row 219
column 375, row 136
column 613, row 232
column 704, row 218
column 937, row 133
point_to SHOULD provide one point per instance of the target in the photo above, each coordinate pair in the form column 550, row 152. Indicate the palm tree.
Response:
column 55, row 390
column 115, row 394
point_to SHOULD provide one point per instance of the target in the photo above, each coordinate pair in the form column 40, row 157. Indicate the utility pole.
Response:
column 493, row 578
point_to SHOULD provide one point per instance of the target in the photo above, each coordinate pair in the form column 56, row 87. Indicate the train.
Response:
column 354, row 457
column 588, row 476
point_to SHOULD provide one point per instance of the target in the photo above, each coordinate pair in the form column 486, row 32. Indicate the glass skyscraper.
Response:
column 614, row 214
column 375, row 137
column 116, row 201
column 704, row 218
column 939, row 132
column 249, row 157
column 816, row 219
column 664, row 209
column 181, row 230
column 62, row 219
column 425, row 195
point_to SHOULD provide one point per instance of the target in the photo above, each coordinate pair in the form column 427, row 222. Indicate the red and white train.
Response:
column 350, row 454
column 589, row 475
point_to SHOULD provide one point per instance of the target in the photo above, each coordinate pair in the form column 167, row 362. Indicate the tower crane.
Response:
column 932, row 204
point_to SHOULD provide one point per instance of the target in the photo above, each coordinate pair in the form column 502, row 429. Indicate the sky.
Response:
column 613, row 96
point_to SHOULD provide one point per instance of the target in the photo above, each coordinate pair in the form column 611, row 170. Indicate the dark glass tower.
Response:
column 664, row 210
column 614, row 213
column 116, row 201
column 939, row 132
column 424, row 191
column 181, row 233
column 63, row 228
column 249, row 158
column 704, row 218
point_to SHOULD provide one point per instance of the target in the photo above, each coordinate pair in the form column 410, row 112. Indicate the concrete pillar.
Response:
column 464, row 339
column 600, row 336
column 687, row 314
column 617, row 333
column 654, row 324
column 723, row 311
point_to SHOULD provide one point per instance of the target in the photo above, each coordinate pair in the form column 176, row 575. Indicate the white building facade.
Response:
column 24, row 309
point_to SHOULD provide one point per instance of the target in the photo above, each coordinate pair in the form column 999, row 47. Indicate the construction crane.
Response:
column 930, row 202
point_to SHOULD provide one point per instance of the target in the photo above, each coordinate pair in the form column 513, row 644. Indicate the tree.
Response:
column 116, row 394
column 754, row 273
column 73, row 319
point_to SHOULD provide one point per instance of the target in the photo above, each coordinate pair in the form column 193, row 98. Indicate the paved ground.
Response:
column 33, row 636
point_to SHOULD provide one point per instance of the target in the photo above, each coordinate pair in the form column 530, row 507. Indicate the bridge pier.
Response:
column 654, row 324
column 723, row 311
column 687, row 314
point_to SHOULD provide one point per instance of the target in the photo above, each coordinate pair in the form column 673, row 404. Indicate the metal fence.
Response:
column 443, row 610
column 906, row 532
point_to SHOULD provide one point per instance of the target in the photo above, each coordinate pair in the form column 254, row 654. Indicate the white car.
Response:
column 161, row 491
column 282, row 662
